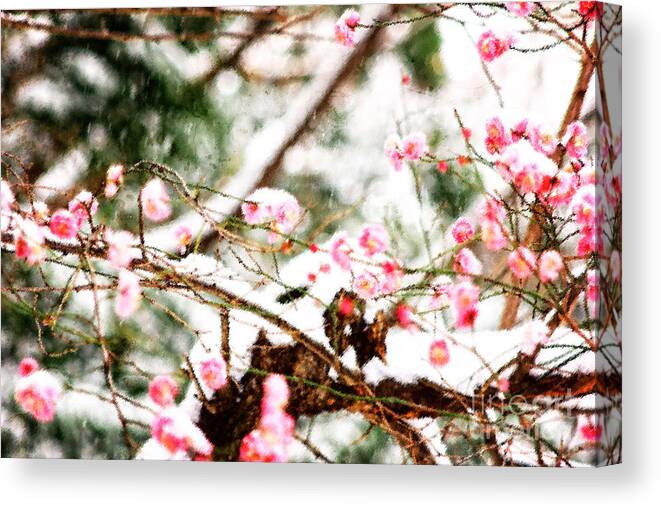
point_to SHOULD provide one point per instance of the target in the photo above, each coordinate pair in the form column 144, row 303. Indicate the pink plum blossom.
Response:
column 213, row 371
column 114, row 179
column 274, row 207
column 83, row 206
column 29, row 242
column 27, row 366
column 576, row 140
column 405, row 316
column 465, row 263
column 583, row 205
column 522, row 262
column 462, row 230
column 184, row 237
column 392, row 276
column 373, row 239
column 492, row 46
column 276, row 393
column 591, row 10
column 163, row 390
column 345, row 28
column 414, row 146
column 589, row 429
column 464, row 297
column 533, row 334
column 393, row 151
column 37, row 391
column 439, row 355
column 341, row 250
column 542, row 140
column 175, row 431
column 366, row 285
column 497, row 137
column 550, row 266
column 441, row 295
column 64, row 224
column 522, row 9
column 155, row 200
column 128, row 294
column 121, row 250
column 492, row 235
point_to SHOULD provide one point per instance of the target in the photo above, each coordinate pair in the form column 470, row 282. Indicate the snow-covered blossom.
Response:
column 522, row 262
column 529, row 170
column 492, row 46
column 83, row 206
column 576, row 140
column 465, row 263
column 64, row 224
column 7, row 198
column 464, row 297
column 273, row 207
column 462, row 230
column 114, row 179
column 439, row 355
column 583, row 205
column 184, row 237
column 29, row 242
column 522, row 9
column 213, row 371
column 163, row 390
column 155, row 200
column 441, row 295
column 414, row 146
column 373, row 239
column 345, row 27
column 533, row 334
column 128, row 294
column 341, row 250
column 550, row 265
column 497, row 137
column 392, row 148
column 175, row 431
column 37, row 391
column 366, row 285
column 121, row 249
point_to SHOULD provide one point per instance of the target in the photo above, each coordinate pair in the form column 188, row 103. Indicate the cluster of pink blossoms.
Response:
column 270, row 441
column 277, row 209
column 370, row 281
column 412, row 147
column 466, row 263
column 589, row 217
column 591, row 10
column 464, row 297
column 37, row 391
column 491, row 45
column 345, row 27
column 522, row 9
column 65, row 223
column 171, row 427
